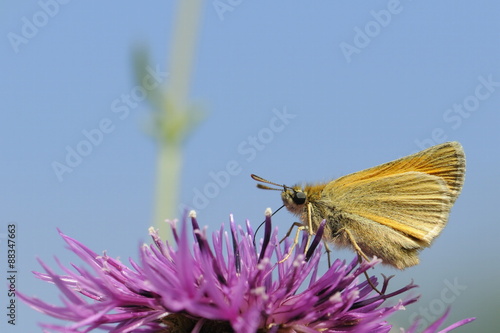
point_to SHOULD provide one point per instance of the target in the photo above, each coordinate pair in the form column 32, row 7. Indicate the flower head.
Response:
column 224, row 287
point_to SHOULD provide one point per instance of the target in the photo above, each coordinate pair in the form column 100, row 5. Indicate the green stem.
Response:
column 171, row 137
column 167, row 186
column 183, row 50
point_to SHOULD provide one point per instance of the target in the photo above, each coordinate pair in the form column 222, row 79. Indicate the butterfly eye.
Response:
column 299, row 198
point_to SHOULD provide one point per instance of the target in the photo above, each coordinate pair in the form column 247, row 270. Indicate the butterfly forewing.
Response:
column 446, row 161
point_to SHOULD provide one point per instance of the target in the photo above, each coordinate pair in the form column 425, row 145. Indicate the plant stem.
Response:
column 170, row 151
column 167, row 191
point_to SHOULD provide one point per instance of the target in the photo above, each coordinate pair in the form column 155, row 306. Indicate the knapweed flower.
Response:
column 434, row 326
column 224, row 287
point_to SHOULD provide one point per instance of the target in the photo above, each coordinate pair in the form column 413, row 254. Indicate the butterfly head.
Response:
column 294, row 198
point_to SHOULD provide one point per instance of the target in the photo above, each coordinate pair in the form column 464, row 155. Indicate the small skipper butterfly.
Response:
column 391, row 211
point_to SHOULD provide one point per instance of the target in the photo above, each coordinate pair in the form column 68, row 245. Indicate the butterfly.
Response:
column 391, row 211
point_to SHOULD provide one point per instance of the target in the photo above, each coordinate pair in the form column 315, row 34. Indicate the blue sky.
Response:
column 291, row 92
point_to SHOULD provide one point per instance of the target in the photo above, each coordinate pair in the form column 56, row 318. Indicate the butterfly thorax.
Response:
column 297, row 198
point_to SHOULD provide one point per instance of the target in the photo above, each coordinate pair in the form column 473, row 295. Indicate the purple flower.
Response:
column 434, row 326
column 224, row 287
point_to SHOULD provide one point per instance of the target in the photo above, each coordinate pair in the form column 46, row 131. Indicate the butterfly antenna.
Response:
column 264, row 187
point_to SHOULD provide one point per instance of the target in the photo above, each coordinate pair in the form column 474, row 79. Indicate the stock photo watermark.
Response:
column 437, row 306
column 9, row 246
column 32, row 24
column 94, row 137
column 222, row 7
column 247, row 150
column 455, row 115
column 364, row 35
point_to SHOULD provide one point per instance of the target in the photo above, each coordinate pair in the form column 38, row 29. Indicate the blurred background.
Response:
column 290, row 91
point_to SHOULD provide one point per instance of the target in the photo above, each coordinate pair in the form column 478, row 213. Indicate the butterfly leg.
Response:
column 328, row 251
column 295, row 224
column 354, row 244
column 309, row 226
column 300, row 227
column 361, row 256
